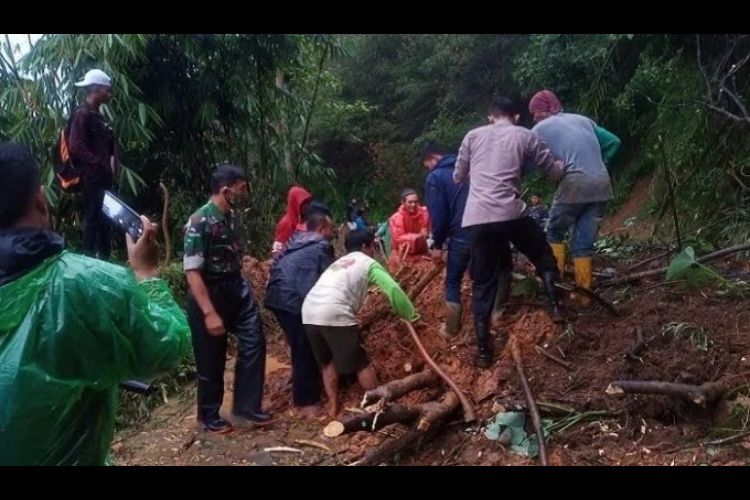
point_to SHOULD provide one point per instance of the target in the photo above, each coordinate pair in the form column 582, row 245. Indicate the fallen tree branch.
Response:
column 397, row 388
column 469, row 414
column 435, row 411
column 650, row 259
column 655, row 272
column 413, row 439
column 426, row 279
column 702, row 395
column 372, row 421
column 552, row 357
column 585, row 292
column 640, row 343
column 535, row 418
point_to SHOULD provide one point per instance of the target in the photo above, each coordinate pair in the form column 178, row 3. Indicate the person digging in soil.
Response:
column 492, row 159
column 329, row 313
column 582, row 194
column 291, row 278
column 220, row 300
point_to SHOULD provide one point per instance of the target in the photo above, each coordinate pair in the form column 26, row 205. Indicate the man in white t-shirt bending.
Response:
column 329, row 313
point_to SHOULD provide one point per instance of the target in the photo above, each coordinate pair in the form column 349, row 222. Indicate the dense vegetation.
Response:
column 345, row 115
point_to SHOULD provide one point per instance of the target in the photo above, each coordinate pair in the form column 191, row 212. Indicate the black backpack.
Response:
column 67, row 176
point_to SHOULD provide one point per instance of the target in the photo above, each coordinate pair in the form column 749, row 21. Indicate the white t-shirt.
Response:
column 339, row 292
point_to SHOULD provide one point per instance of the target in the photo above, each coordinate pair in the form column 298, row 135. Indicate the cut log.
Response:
column 435, row 411
column 533, row 410
column 469, row 414
column 397, row 388
column 372, row 421
column 702, row 395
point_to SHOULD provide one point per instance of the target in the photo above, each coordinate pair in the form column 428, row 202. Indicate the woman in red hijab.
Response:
column 292, row 220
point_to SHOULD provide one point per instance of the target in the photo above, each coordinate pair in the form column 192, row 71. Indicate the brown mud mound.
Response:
column 712, row 342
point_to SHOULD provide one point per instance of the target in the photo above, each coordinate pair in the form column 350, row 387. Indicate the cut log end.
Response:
column 333, row 429
column 614, row 389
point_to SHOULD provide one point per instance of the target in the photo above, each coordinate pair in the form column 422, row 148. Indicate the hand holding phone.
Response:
column 122, row 215
column 143, row 254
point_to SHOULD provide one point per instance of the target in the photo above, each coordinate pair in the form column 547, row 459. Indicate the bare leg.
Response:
column 331, row 384
column 367, row 378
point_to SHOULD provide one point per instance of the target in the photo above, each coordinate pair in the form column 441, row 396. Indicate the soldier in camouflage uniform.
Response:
column 221, row 300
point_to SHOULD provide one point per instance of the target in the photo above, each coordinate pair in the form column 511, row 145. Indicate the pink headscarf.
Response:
column 546, row 102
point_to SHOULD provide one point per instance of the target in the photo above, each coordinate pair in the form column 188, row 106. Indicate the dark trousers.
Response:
column 96, row 227
column 306, row 381
column 234, row 301
column 491, row 254
column 459, row 256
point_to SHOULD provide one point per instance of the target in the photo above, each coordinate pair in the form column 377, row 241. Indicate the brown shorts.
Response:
column 341, row 344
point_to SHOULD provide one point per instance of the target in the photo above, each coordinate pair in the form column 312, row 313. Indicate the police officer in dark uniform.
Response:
column 221, row 301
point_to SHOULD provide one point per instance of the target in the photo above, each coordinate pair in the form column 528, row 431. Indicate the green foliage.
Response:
column 692, row 332
column 684, row 266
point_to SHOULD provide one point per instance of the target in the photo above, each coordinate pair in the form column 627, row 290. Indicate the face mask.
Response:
column 233, row 199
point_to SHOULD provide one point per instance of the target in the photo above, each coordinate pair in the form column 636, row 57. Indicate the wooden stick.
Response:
column 552, row 357
column 165, row 225
column 656, row 272
column 469, row 414
column 650, row 259
column 640, row 343
column 426, row 279
column 535, row 418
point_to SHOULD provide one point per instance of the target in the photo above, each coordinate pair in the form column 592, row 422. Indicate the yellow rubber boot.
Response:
column 558, row 250
column 583, row 271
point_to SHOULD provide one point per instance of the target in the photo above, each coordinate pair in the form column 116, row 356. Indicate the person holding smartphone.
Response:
column 220, row 301
column 72, row 327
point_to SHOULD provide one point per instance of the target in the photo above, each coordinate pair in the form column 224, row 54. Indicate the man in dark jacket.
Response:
column 292, row 276
column 445, row 202
column 92, row 150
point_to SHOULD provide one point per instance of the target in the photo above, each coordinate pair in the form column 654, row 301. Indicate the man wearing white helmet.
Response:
column 93, row 151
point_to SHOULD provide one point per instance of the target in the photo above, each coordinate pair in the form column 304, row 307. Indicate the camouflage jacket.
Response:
column 212, row 243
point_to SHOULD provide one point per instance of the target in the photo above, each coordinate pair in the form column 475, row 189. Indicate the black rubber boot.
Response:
column 486, row 351
column 503, row 294
column 549, row 278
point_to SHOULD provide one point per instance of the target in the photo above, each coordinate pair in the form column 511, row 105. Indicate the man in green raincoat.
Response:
column 71, row 328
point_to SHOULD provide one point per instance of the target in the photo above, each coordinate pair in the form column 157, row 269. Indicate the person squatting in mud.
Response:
column 329, row 313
